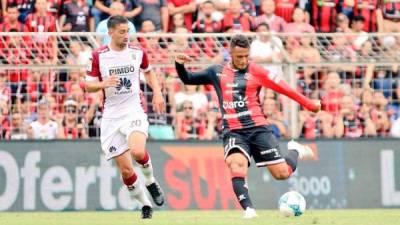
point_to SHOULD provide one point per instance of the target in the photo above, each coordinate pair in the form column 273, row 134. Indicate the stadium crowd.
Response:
column 358, row 101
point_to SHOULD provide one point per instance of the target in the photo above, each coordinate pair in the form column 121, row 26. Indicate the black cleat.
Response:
column 147, row 212
column 156, row 193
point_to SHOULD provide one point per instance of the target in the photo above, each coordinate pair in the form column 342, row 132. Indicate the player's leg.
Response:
column 237, row 159
column 136, row 130
column 137, row 144
column 265, row 151
column 124, row 164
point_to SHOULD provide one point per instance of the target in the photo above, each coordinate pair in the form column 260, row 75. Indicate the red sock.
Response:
column 145, row 159
column 130, row 181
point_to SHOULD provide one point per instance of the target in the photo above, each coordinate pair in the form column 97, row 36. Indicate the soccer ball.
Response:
column 291, row 204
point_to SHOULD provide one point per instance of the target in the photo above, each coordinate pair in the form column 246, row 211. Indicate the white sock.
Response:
column 136, row 191
column 147, row 170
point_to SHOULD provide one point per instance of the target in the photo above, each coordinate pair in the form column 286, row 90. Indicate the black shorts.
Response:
column 258, row 142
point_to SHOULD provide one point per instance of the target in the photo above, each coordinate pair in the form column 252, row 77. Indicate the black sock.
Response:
column 291, row 159
column 241, row 191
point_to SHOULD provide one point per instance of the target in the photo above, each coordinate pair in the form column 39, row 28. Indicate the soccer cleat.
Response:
column 250, row 213
column 303, row 150
column 156, row 193
column 147, row 212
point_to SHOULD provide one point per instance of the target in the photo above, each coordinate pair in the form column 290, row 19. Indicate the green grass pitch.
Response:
column 266, row 217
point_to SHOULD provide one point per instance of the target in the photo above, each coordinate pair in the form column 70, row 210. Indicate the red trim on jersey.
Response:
column 280, row 86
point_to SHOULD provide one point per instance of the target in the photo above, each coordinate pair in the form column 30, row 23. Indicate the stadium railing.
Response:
column 344, row 53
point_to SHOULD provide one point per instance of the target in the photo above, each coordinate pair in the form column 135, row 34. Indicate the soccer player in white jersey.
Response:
column 115, row 69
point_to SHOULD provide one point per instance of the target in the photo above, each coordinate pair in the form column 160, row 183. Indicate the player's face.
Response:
column 120, row 34
column 240, row 57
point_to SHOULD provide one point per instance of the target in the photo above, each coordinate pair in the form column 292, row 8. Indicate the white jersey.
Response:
column 44, row 131
column 125, row 99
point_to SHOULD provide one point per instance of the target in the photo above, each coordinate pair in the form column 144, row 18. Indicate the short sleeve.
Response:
column 92, row 69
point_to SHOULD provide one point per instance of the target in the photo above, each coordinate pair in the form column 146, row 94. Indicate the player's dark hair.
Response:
column 113, row 21
column 240, row 41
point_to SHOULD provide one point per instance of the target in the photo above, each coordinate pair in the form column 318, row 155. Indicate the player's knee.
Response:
column 127, row 172
column 281, row 175
column 237, row 167
column 137, row 154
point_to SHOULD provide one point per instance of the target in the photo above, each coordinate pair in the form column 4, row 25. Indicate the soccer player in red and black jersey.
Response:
column 245, row 129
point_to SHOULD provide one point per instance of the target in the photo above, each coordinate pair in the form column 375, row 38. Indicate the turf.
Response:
column 323, row 217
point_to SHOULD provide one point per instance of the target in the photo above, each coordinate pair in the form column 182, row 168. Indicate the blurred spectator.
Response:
column 285, row 8
column 72, row 126
column 187, row 127
column 267, row 48
column 191, row 93
column 38, row 83
column 94, row 114
column 116, row 8
column 351, row 124
column 44, row 47
column 343, row 24
column 156, row 11
column 275, row 22
column 75, row 76
column 249, row 8
column 316, row 125
column 43, row 127
column 79, row 55
column 24, row 106
column 361, row 37
column 11, row 20
column 332, row 95
column 18, row 127
column 341, row 51
column 24, row 7
column 178, row 21
column 185, row 7
column 347, row 7
column 185, row 44
column 388, row 16
column 5, row 91
column 235, row 20
column 161, row 125
column 16, row 54
column 379, row 114
column 4, row 125
column 323, row 15
column 152, row 44
column 131, row 8
column 299, row 24
column 207, row 23
column 76, row 17
column 275, row 117
column 368, row 10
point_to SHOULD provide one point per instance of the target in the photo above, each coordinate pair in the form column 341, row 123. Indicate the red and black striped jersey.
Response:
column 324, row 15
column 238, row 92
column 367, row 9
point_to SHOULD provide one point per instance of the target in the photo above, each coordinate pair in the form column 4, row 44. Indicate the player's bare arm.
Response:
column 158, row 99
column 94, row 86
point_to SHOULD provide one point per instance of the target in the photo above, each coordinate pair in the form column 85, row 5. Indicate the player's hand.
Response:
column 111, row 81
column 317, row 103
column 158, row 103
column 182, row 58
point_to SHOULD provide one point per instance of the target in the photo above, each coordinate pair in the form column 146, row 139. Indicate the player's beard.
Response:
column 122, row 45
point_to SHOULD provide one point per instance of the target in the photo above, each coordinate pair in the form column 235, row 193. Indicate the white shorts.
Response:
column 114, row 133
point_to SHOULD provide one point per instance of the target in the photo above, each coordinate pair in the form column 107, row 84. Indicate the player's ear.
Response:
column 110, row 31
